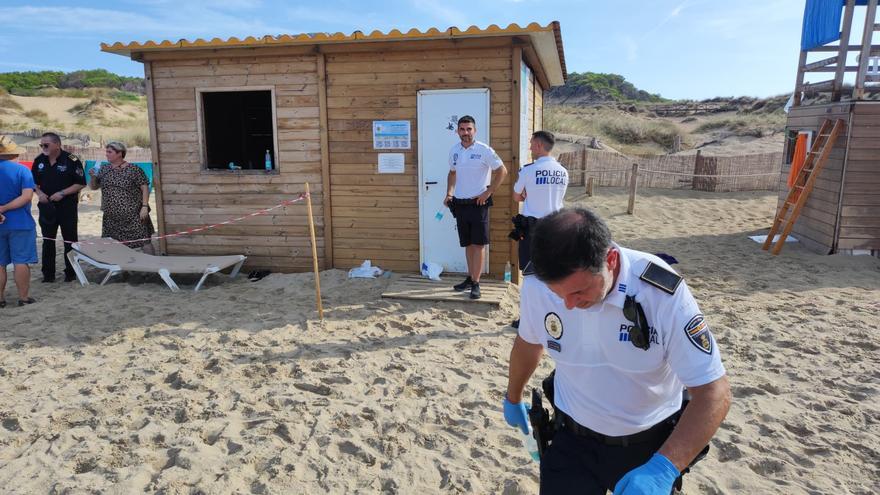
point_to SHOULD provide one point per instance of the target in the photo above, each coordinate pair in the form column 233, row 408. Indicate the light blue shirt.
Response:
column 14, row 178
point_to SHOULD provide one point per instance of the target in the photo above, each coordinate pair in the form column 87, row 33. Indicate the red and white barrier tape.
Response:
column 192, row 230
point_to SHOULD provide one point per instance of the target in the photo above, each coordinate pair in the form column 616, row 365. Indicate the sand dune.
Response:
column 239, row 389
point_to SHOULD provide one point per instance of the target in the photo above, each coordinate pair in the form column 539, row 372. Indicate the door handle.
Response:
column 430, row 183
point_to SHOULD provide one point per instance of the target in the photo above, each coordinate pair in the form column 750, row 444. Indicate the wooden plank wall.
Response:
column 538, row 109
column 530, row 118
column 375, row 215
column 194, row 196
column 816, row 224
column 860, row 206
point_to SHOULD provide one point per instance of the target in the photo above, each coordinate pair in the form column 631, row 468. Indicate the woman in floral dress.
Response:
column 124, row 199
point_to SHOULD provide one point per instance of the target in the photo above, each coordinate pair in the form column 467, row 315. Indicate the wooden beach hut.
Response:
column 366, row 119
column 842, row 213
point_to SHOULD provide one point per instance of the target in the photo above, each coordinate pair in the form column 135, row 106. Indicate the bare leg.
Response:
column 22, row 280
column 474, row 255
column 2, row 283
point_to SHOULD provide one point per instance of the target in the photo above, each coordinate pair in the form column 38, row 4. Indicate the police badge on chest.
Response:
column 553, row 326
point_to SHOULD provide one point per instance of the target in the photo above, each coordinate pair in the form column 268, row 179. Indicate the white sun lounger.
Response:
column 116, row 258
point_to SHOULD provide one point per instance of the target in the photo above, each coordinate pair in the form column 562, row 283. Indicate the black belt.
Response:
column 655, row 433
column 470, row 201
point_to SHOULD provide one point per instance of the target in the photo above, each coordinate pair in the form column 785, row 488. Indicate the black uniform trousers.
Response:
column 525, row 252
column 54, row 215
column 585, row 465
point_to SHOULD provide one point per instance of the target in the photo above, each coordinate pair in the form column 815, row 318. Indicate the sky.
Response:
column 681, row 49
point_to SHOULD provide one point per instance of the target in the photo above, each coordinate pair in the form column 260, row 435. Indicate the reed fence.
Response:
column 757, row 172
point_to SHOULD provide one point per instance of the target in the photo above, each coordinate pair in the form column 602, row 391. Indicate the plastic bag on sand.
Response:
column 366, row 270
column 431, row 270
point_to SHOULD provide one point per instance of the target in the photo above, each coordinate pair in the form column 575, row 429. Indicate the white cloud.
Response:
column 172, row 24
column 672, row 14
column 442, row 17
column 352, row 20
column 24, row 66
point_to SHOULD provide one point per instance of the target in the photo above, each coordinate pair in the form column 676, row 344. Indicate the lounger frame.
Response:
column 76, row 257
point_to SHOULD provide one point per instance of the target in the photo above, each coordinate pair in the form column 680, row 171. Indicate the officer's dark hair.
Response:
column 567, row 241
column 545, row 137
column 55, row 138
column 467, row 118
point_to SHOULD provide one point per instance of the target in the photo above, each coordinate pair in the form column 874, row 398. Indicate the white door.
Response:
column 438, row 114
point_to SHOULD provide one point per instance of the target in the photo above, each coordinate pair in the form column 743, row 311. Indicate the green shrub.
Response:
column 31, row 83
column 125, row 96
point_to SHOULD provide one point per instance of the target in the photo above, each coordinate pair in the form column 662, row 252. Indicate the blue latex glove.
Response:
column 517, row 415
column 654, row 477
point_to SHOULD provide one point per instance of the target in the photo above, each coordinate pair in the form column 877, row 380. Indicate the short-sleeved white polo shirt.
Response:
column 545, row 182
column 473, row 168
column 602, row 380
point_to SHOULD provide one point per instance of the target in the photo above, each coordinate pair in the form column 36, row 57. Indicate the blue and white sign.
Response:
column 391, row 135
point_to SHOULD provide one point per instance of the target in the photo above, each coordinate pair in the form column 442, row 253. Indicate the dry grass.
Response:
column 755, row 125
column 106, row 114
column 627, row 132
column 7, row 104
column 641, row 133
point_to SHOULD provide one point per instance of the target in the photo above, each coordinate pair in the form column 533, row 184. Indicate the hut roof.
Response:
column 547, row 41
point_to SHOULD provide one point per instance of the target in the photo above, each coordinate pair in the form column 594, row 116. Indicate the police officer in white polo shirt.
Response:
column 469, row 195
column 541, row 187
column 626, row 336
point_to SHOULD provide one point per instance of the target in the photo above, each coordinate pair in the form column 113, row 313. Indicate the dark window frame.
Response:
column 270, row 142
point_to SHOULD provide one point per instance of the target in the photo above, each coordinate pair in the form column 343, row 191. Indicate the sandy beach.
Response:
column 238, row 388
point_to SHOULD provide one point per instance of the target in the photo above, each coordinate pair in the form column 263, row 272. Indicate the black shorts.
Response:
column 473, row 224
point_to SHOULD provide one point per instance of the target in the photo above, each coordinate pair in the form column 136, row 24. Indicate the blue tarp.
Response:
column 822, row 22
column 147, row 167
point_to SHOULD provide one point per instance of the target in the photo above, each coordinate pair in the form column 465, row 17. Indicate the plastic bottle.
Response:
column 268, row 161
column 531, row 445
column 507, row 272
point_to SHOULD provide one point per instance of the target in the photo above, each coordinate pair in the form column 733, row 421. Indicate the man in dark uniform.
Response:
column 59, row 176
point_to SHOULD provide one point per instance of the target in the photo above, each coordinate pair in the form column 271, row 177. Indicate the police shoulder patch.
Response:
column 553, row 325
column 697, row 331
column 74, row 157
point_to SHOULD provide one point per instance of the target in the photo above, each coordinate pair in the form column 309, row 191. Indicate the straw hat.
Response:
column 8, row 147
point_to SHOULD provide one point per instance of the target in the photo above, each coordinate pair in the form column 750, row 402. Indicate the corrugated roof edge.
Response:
column 126, row 49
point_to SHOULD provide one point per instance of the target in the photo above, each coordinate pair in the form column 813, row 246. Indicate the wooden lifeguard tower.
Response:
column 841, row 213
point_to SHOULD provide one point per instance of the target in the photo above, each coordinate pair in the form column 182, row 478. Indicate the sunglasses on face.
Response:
column 44, row 146
column 638, row 332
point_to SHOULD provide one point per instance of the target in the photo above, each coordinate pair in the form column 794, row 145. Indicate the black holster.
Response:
column 542, row 422
column 521, row 226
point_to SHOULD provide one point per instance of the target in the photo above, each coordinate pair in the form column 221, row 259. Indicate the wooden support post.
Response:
column 799, row 80
column 314, row 253
column 516, row 146
column 154, row 150
column 865, row 53
column 583, row 166
column 845, row 33
column 633, row 181
column 590, row 187
column 325, row 161
column 698, row 169
column 676, row 143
